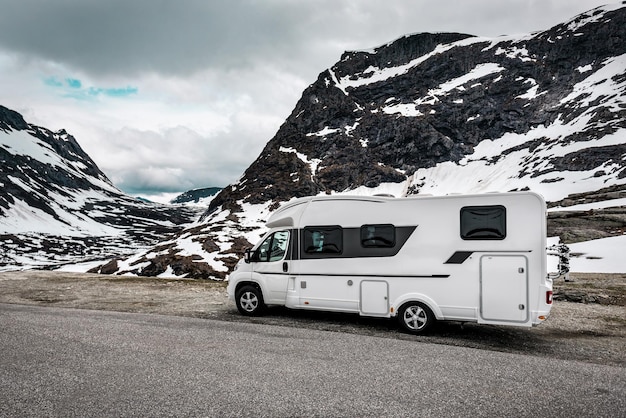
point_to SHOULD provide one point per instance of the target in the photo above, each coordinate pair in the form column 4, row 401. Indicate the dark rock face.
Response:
column 43, row 178
column 576, row 226
column 590, row 158
column 195, row 195
column 350, row 123
column 10, row 120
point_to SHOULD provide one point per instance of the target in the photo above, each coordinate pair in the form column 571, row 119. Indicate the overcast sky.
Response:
column 170, row 95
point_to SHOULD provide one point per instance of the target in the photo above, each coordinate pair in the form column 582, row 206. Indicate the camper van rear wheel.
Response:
column 250, row 301
column 415, row 317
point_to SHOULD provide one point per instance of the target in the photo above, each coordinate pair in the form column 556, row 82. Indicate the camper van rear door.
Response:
column 504, row 288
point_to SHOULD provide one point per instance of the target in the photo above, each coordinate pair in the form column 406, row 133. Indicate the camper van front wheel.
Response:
column 416, row 317
column 250, row 301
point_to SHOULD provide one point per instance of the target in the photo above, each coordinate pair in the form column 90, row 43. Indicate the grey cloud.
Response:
column 127, row 36
column 175, row 160
column 171, row 37
column 181, row 37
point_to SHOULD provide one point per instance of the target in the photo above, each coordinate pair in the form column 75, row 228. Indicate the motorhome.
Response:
column 472, row 258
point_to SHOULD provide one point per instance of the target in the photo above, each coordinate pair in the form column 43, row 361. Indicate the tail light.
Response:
column 549, row 297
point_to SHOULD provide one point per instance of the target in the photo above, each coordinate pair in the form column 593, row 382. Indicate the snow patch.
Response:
column 393, row 189
column 374, row 74
column 312, row 163
column 169, row 272
column 515, row 53
column 404, row 109
column 324, row 132
column 600, row 86
column 604, row 255
column 591, row 16
column 488, row 170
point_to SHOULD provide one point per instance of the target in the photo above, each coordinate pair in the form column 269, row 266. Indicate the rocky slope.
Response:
column 385, row 115
column 57, row 207
column 442, row 113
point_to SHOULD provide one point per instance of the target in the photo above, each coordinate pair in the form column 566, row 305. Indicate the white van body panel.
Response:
column 500, row 280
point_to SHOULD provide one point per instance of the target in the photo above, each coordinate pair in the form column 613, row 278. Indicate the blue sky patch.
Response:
column 113, row 92
column 52, row 82
column 73, row 83
column 73, row 88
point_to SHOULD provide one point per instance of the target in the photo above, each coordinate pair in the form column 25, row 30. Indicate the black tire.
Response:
column 249, row 300
column 416, row 318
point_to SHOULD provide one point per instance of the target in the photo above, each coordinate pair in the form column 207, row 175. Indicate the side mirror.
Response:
column 247, row 256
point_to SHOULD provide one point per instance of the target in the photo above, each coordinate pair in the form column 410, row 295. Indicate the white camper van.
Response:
column 478, row 258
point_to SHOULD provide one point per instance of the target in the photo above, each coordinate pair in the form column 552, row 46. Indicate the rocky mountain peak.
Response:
column 378, row 116
column 10, row 120
column 57, row 207
column 402, row 51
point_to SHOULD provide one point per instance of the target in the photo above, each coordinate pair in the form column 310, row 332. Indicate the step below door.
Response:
column 503, row 288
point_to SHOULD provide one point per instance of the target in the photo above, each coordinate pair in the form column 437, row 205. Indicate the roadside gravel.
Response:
column 588, row 320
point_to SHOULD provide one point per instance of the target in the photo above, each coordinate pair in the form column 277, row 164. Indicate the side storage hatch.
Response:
column 374, row 298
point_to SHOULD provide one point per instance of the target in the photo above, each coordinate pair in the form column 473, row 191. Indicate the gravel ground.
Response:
column 588, row 320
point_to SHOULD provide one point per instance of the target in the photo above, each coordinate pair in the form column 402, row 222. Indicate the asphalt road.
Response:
column 69, row 362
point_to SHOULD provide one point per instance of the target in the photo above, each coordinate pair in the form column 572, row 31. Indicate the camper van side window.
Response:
column 273, row 248
column 378, row 236
column 483, row 222
column 323, row 239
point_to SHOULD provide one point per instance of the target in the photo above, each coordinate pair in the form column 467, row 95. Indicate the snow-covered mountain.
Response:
column 437, row 114
column 57, row 207
column 425, row 114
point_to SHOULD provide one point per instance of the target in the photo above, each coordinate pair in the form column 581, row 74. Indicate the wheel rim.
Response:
column 415, row 317
column 249, row 301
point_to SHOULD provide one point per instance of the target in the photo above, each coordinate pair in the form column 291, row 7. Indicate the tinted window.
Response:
column 279, row 245
column 483, row 222
column 377, row 236
column 273, row 248
column 324, row 239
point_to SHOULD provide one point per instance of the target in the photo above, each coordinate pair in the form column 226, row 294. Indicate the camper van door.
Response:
column 326, row 281
column 270, row 266
column 504, row 288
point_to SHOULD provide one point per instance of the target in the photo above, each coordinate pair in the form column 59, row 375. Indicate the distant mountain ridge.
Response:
column 196, row 195
column 57, row 207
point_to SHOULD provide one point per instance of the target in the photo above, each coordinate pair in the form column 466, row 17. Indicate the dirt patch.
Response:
column 603, row 289
column 587, row 323
column 117, row 293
